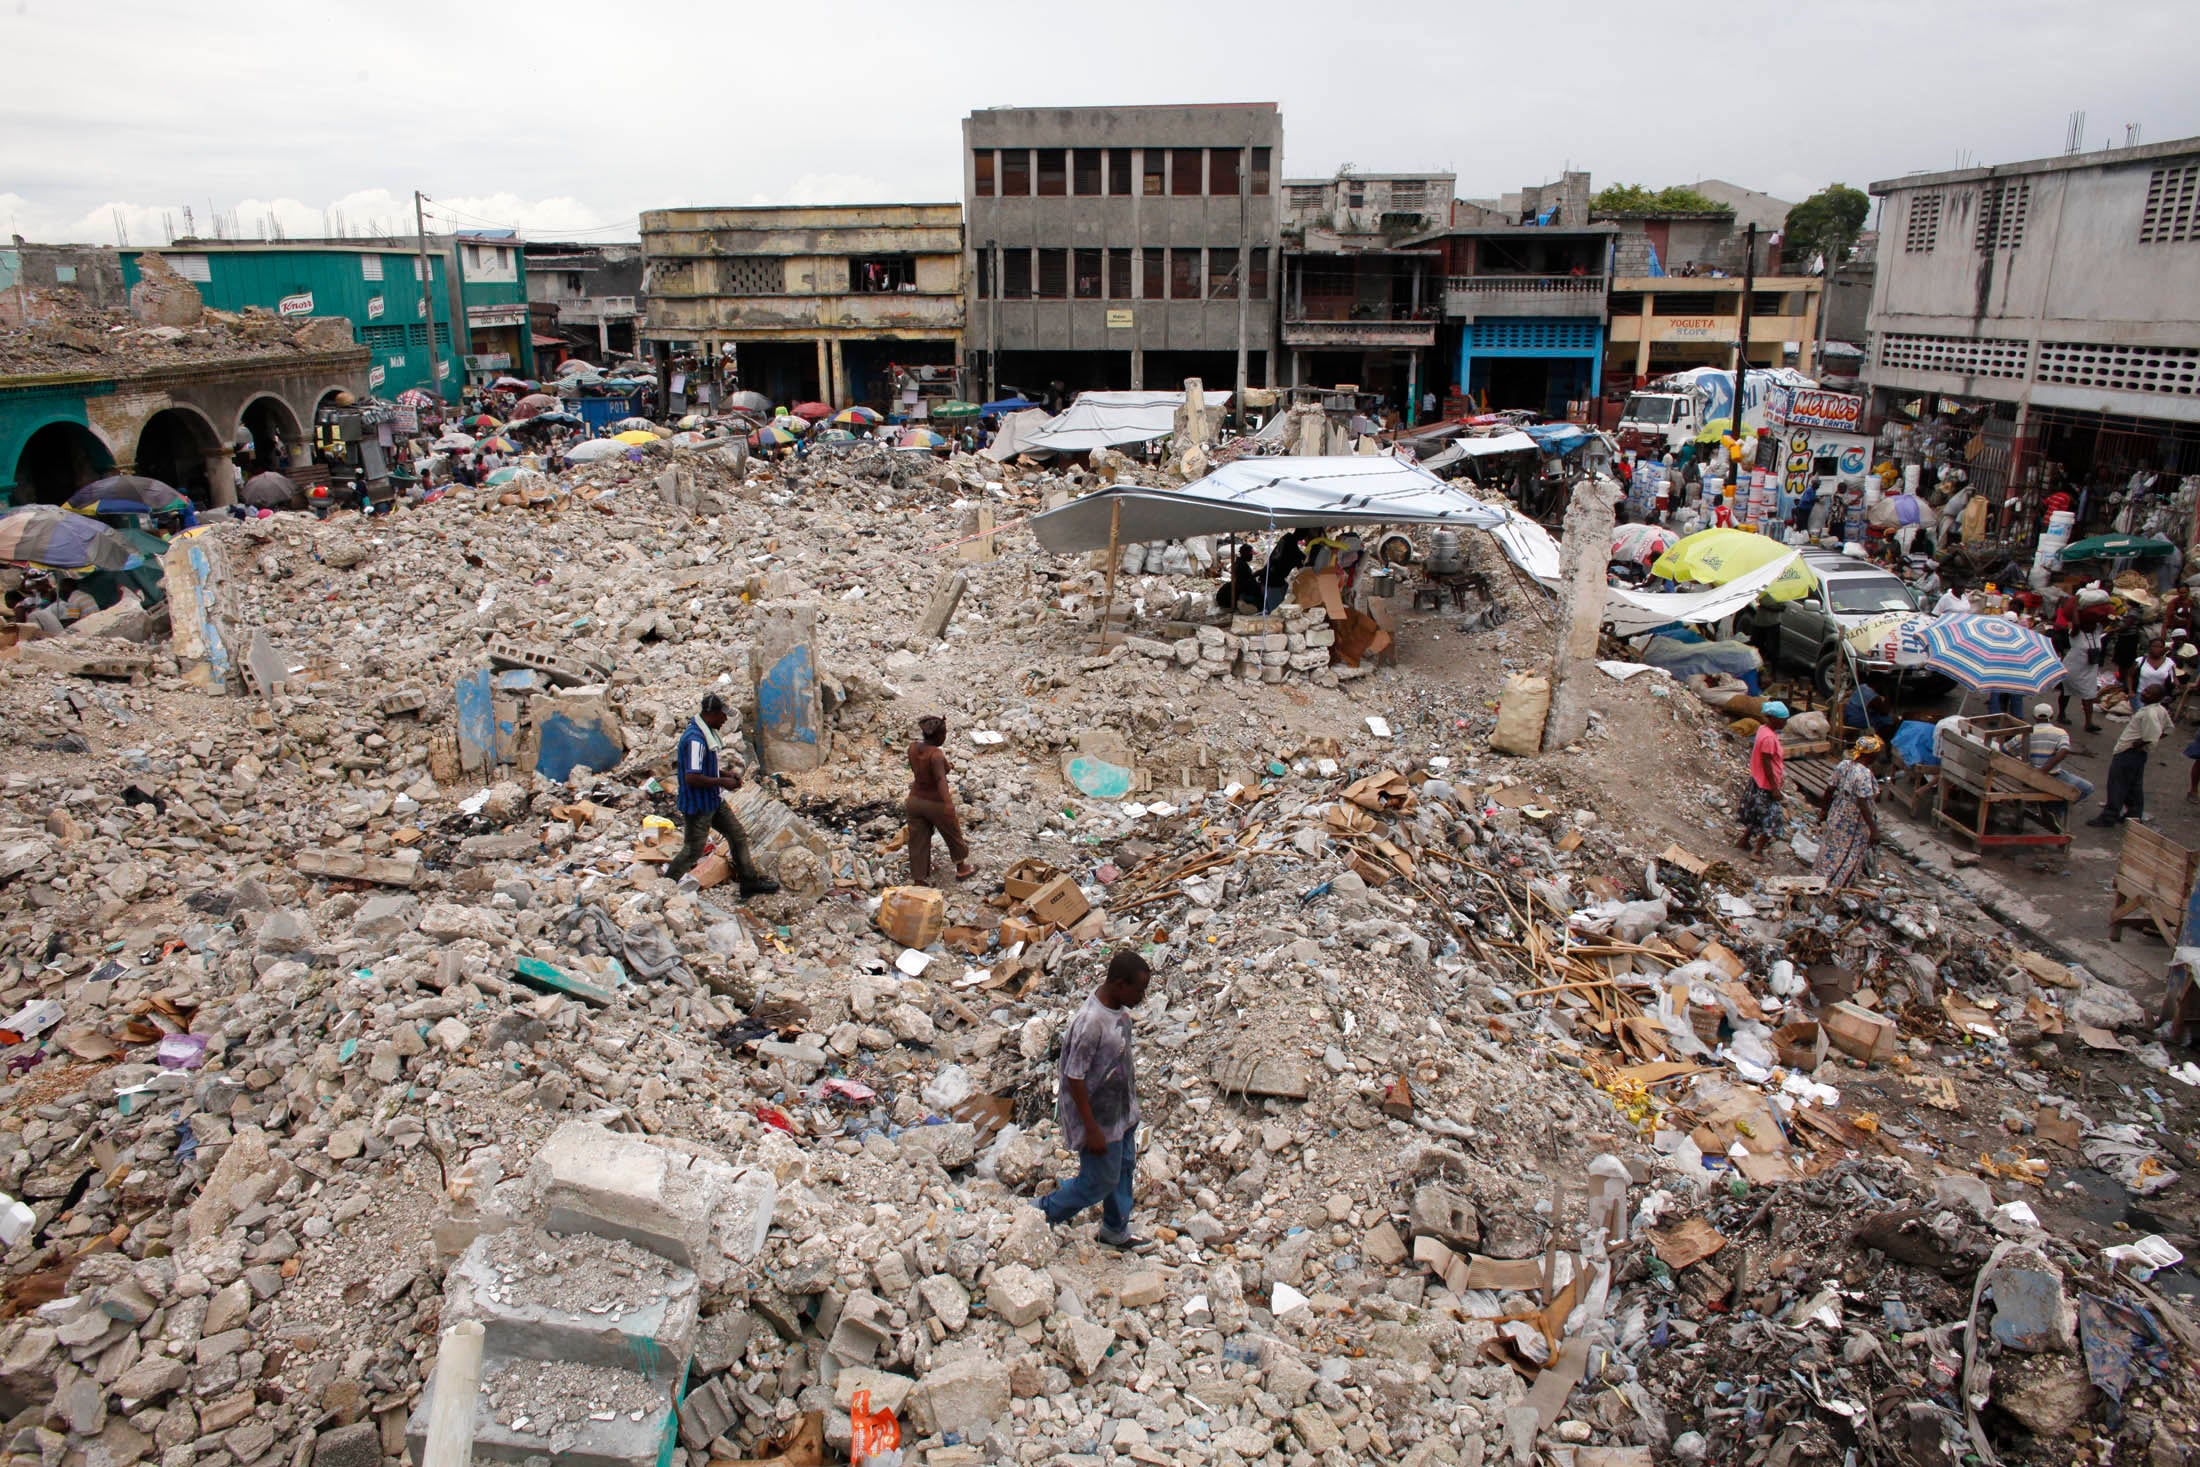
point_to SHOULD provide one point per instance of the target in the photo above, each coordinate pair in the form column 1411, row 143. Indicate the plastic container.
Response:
column 15, row 1221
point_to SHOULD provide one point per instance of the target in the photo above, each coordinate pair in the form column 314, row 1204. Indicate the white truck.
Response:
column 1698, row 404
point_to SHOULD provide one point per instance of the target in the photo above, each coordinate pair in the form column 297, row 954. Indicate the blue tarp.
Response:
column 1005, row 405
column 1558, row 438
column 1686, row 659
column 1913, row 743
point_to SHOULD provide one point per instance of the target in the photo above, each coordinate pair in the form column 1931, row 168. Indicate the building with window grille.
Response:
column 805, row 302
column 1360, row 306
column 1118, row 247
column 2063, row 294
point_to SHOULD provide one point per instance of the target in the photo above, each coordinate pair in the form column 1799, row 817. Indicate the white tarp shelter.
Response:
column 1106, row 419
column 1015, row 434
column 1631, row 613
column 1254, row 494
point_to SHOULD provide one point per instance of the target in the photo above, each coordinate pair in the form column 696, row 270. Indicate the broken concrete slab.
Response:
column 617, row 1186
column 351, row 866
column 595, row 1301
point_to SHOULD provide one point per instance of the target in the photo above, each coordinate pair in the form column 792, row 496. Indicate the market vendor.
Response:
column 1869, row 710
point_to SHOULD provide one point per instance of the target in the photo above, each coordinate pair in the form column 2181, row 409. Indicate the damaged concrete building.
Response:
column 1121, row 247
column 805, row 303
column 1360, row 305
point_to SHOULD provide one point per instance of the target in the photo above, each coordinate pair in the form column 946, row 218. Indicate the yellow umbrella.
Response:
column 634, row 436
column 1714, row 557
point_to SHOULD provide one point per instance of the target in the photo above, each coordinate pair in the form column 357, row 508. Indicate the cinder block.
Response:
column 510, row 1393
column 618, row 1186
column 652, row 1334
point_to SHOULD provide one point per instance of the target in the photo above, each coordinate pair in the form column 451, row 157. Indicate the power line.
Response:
column 454, row 214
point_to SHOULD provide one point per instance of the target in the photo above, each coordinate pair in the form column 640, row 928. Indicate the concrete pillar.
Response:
column 603, row 338
column 790, row 713
column 1585, row 550
column 824, row 372
column 1643, row 324
column 838, row 393
column 1138, row 369
column 221, row 480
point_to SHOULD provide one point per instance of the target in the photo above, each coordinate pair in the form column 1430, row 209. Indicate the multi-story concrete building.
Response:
column 1360, row 307
column 587, row 295
column 1668, row 323
column 2065, row 292
column 805, row 302
column 1114, row 247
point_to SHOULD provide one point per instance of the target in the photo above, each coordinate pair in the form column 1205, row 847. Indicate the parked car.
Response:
column 1807, row 632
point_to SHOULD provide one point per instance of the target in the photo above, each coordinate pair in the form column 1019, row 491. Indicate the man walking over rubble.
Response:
column 1761, row 817
column 699, row 795
column 1097, row 1103
column 2127, row 767
column 930, row 805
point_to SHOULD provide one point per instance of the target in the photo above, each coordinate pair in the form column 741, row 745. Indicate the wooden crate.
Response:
column 1977, row 779
column 2153, row 878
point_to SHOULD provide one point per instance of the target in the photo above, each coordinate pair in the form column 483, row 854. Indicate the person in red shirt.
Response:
column 930, row 805
column 1761, row 816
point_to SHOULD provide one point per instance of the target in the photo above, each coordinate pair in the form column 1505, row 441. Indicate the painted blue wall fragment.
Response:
column 217, row 651
column 785, row 697
column 1098, row 778
column 568, row 741
column 477, row 722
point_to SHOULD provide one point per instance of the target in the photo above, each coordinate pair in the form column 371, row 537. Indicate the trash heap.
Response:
column 1483, row 1120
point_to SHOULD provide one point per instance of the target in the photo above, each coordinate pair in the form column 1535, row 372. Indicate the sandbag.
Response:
column 1521, row 710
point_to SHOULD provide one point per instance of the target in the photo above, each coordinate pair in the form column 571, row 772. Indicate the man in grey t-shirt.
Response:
column 1097, row 1101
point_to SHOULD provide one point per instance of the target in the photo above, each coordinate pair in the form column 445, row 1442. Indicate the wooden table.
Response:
column 1977, row 779
column 2154, row 876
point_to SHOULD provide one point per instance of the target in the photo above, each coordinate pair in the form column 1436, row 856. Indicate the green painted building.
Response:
column 478, row 281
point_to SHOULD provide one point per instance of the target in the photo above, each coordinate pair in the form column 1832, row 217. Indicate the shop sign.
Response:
column 376, row 376
column 300, row 304
column 1119, row 320
column 1695, row 328
column 374, row 307
column 1814, row 408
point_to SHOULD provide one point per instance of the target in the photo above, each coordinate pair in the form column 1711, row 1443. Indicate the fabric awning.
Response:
column 1253, row 494
column 1631, row 613
column 1105, row 419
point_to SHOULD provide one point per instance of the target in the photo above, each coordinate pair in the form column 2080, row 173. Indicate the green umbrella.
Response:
column 955, row 408
column 59, row 540
column 2116, row 547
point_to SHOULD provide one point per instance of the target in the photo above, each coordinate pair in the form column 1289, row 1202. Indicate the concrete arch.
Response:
column 180, row 445
column 263, row 417
column 57, row 458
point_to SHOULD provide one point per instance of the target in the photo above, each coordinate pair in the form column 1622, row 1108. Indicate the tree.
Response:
column 1826, row 224
column 1633, row 198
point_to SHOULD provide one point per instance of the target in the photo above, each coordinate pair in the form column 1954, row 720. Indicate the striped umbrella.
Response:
column 858, row 417
column 1991, row 654
column 126, row 494
column 920, row 438
column 58, row 540
column 770, row 437
column 498, row 444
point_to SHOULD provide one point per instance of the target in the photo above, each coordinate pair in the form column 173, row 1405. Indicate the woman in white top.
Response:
column 1953, row 600
column 2156, row 669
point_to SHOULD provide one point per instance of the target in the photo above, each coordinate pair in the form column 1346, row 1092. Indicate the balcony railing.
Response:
column 1526, row 284
column 1349, row 311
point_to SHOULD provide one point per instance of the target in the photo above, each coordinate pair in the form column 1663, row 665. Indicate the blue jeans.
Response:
column 1105, row 1179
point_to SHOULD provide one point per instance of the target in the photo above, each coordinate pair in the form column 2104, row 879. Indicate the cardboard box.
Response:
column 1860, row 1033
column 1026, row 877
column 913, row 916
column 1058, row 902
column 1020, row 929
column 1801, row 1045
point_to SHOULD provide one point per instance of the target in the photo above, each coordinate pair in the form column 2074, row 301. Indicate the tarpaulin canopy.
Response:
column 1105, row 419
column 1466, row 448
column 1015, row 434
column 1631, row 613
column 1269, row 494
column 1558, row 438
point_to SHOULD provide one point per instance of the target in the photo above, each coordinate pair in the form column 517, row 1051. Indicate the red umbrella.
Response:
column 533, row 403
column 811, row 410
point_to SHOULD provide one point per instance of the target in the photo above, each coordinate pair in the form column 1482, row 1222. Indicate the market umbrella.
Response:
column 1641, row 542
column 453, row 441
column 755, row 402
column 414, row 397
column 858, row 417
column 595, row 450
column 269, row 490
column 920, row 438
column 58, row 540
column 513, row 384
column 771, row 436
column 575, row 367
column 126, row 494
column 640, row 425
column 510, row 472
column 2116, row 547
column 533, row 403
column 1991, row 654
column 1897, row 638
column 498, row 444
column 634, row 436
column 811, row 410
column 480, row 423
column 1714, row 557
column 955, row 408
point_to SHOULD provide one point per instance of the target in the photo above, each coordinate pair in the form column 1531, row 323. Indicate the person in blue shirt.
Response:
column 1868, row 711
column 699, row 792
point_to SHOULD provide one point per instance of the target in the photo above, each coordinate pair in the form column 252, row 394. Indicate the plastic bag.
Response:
column 948, row 1089
column 874, row 1437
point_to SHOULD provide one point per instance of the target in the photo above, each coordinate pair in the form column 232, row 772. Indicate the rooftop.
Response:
column 2101, row 158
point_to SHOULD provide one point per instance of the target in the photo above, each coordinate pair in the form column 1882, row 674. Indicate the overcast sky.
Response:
column 559, row 117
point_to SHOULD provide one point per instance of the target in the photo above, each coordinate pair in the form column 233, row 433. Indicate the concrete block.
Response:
column 948, row 1300
column 706, row 1414
column 861, row 1330
column 790, row 730
column 1141, row 1290
column 1019, row 1295
column 350, row 866
column 645, row 1324
column 1321, row 637
column 941, row 611
column 618, row 1186
column 889, row 1392
column 1448, row 1216
column 962, row 1394
column 2031, row 1312
column 538, row 1409
column 356, row 1445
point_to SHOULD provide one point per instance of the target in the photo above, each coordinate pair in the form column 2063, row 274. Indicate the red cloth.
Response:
column 1767, row 759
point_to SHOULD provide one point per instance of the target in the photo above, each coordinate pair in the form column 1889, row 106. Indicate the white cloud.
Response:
column 360, row 212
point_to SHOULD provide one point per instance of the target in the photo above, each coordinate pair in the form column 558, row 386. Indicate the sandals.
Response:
column 966, row 870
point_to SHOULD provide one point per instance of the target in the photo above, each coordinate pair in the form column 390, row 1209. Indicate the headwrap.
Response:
column 1774, row 709
column 1869, row 744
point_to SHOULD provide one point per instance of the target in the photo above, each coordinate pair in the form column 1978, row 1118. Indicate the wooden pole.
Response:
column 451, row 1400
column 1115, row 556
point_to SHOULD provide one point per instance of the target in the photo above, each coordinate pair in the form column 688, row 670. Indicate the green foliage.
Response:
column 1826, row 223
column 1633, row 198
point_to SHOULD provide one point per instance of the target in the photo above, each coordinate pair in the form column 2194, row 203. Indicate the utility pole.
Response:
column 1741, row 352
column 427, row 296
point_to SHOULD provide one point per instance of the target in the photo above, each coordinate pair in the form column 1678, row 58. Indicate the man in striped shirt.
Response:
column 698, row 791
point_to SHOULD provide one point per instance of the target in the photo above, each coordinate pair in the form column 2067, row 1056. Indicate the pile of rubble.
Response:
column 166, row 325
column 1270, row 649
column 1480, row 1121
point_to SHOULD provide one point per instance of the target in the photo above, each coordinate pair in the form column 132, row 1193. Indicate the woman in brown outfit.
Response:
column 931, row 805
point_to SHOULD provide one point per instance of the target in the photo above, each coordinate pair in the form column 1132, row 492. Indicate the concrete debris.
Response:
column 341, row 1018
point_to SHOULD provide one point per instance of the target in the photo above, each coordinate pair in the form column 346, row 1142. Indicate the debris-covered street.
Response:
column 1494, row 1110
